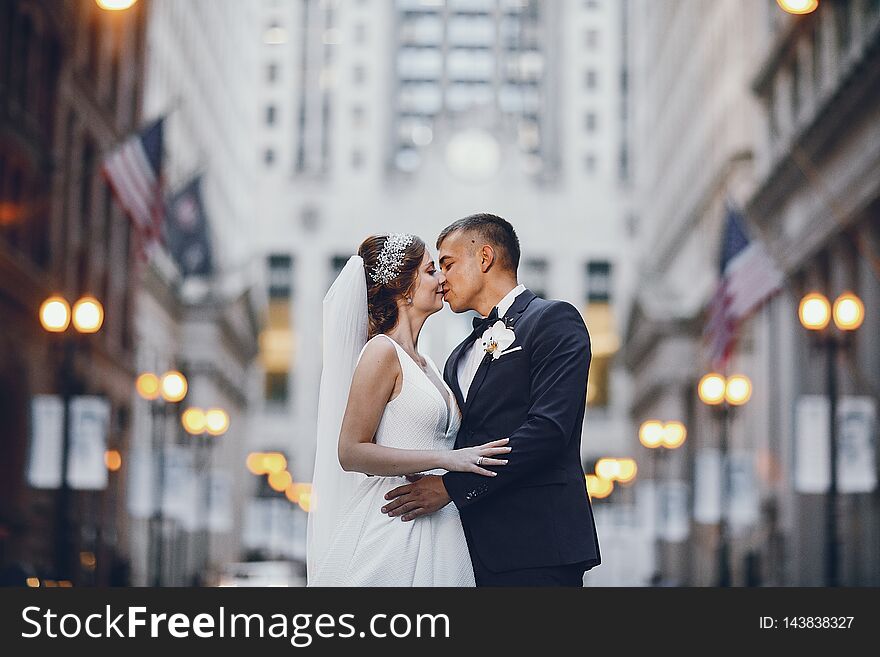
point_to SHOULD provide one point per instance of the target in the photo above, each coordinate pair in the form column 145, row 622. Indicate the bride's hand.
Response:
column 471, row 459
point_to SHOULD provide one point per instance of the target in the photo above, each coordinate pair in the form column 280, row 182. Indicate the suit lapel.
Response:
column 511, row 318
column 451, row 373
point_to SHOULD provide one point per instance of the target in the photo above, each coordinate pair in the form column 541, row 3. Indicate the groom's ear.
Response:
column 487, row 257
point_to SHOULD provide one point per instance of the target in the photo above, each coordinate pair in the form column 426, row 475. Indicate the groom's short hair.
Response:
column 495, row 231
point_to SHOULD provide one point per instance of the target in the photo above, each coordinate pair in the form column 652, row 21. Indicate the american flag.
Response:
column 134, row 171
column 748, row 278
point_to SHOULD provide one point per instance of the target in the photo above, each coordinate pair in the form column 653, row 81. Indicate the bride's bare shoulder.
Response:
column 379, row 357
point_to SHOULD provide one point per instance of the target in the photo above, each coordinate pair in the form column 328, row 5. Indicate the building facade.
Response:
column 744, row 103
column 70, row 89
column 198, row 75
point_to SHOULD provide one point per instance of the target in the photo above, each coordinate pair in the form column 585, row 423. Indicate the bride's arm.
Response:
column 372, row 385
column 371, row 388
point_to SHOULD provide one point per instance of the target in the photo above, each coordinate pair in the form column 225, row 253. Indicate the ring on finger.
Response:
column 480, row 461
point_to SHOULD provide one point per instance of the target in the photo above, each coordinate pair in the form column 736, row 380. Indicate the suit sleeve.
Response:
column 560, row 364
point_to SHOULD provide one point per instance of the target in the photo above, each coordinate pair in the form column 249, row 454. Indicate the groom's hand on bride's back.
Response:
column 421, row 497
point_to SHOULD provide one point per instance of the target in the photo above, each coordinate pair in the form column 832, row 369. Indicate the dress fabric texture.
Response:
column 369, row 548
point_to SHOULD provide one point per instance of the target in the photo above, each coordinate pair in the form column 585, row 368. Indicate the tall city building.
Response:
column 199, row 317
column 407, row 115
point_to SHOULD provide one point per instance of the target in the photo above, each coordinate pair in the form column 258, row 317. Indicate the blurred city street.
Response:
column 182, row 180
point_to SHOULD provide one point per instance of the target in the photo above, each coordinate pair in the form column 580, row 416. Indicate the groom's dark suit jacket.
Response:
column 536, row 511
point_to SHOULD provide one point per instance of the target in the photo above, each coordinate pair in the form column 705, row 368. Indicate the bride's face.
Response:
column 427, row 291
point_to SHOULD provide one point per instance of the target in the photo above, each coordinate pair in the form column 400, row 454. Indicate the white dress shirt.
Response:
column 469, row 364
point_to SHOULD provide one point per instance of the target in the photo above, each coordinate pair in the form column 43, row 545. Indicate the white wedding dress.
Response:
column 369, row 548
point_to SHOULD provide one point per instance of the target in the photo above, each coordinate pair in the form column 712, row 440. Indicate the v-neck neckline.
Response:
column 445, row 396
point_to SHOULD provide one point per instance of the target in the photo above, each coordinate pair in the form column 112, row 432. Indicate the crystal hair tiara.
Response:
column 390, row 258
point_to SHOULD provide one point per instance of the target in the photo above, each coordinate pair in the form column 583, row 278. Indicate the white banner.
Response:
column 707, row 486
column 672, row 511
column 141, row 502
column 89, row 425
column 743, row 502
column 856, row 444
column 182, row 497
column 44, row 458
column 220, row 502
column 811, row 444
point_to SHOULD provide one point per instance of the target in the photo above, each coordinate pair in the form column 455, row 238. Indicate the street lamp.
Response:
column 115, row 5
column 816, row 313
column 171, row 387
column 203, row 425
column 723, row 394
column 55, row 318
column 661, row 437
column 798, row 6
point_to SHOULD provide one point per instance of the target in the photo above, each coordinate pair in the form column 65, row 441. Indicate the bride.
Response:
column 400, row 419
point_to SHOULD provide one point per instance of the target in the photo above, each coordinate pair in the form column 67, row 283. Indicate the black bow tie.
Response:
column 481, row 323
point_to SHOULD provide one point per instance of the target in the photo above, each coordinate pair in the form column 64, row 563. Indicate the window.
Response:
column 604, row 340
column 591, row 79
column 277, row 338
column 270, row 115
column 357, row 159
column 269, row 157
column 272, row 72
column 357, row 116
column 590, row 162
column 598, row 281
column 534, row 275
column 590, row 122
column 592, row 39
column 591, row 4
column 277, row 388
column 280, row 273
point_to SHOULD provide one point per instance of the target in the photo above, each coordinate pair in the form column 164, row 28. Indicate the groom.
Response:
column 532, row 524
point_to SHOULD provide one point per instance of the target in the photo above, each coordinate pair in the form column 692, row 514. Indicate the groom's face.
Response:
column 459, row 260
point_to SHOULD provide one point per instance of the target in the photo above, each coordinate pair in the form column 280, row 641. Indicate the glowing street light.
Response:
column 598, row 487
column 193, row 421
column 279, row 481
column 147, row 386
column 651, row 433
column 216, row 421
column 88, row 315
column 738, row 390
column 849, row 312
column 798, row 7
column 814, row 311
column 674, row 434
column 173, row 386
column 115, row 5
column 55, row 314
column 622, row 470
column 711, row 389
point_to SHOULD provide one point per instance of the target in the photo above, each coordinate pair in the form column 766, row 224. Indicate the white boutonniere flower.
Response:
column 496, row 339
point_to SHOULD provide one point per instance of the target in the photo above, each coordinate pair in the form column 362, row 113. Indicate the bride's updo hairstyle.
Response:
column 391, row 273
